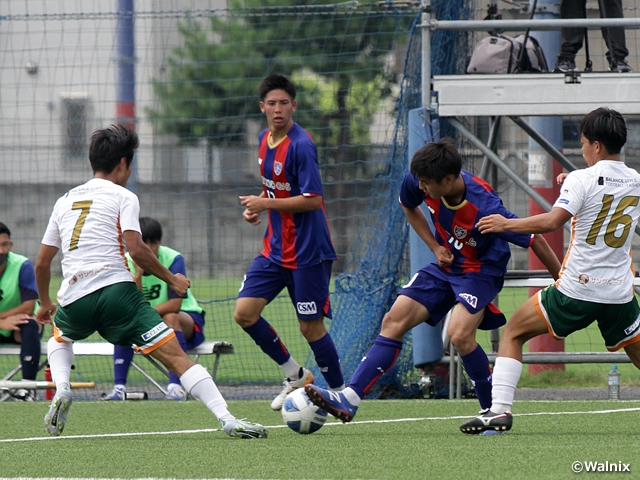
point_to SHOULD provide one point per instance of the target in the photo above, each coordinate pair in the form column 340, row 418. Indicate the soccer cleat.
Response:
column 239, row 427
column 488, row 420
column 118, row 393
column 56, row 417
column 24, row 395
column 289, row 386
column 175, row 392
column 565, row 65
column 620, row 66
column 332, row 402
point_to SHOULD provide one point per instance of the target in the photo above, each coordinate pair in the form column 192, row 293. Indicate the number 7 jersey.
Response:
column 86, row 225
column 604, row 202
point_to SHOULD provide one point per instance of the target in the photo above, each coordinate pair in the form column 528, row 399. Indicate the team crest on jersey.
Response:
column 459, row 232
column 470, row 299
column 277, row 168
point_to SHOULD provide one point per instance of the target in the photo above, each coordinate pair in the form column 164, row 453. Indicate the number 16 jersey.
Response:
column 87, row 225
column 604, row 202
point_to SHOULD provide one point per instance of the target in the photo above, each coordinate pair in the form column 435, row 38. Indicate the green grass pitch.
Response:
column 389, row 439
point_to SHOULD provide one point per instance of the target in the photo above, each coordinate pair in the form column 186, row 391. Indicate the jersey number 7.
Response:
column 84, row 207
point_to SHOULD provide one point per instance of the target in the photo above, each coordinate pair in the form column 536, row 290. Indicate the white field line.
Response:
column 329, row 424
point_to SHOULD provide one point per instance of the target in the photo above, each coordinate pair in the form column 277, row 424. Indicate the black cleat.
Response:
column 488, row 420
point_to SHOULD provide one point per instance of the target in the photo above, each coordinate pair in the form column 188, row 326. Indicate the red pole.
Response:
column 546, row 343
column 47, row 376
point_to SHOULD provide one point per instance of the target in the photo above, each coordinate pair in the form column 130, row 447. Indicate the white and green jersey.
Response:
column 87, row 225
column 605, row 203
column 156, row 291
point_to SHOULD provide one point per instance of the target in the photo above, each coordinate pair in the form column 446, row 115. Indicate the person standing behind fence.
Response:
column 182, row 314
column 596, row 280
column 573, row 38
column 91, row 224
column 18, row 296
column 465, row 276
column 298, row 253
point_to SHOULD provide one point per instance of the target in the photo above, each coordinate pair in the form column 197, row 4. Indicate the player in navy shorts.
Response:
column 297, row 251
column 467, row 275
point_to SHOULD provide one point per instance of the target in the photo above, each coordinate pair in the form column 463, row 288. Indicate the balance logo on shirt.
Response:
column 277, row 168
column 470, row 299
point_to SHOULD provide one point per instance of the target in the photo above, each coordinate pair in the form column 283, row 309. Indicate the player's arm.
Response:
column 13, row 322
column 143, row 256
column 25, row 308
column 43, row 280
column 546, row 255
column 297, row 204
column 174, row 303
column 542, row 223
column 170, row 306
column 419, row 223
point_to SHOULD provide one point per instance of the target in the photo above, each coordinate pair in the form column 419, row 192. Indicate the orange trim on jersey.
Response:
column 536, row 303
column 122, row 249
column 566, row 255
column 155, row 346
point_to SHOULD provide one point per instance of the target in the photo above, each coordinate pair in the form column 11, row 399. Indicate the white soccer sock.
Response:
column 351, row 396
column 291, row 369
column 200, row 385
column 60, row 356
column 506, row 374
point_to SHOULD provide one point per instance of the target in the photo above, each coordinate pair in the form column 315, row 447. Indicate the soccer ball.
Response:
column 300, row 415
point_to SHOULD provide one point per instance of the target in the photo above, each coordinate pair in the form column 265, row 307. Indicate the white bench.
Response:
column 106, row 349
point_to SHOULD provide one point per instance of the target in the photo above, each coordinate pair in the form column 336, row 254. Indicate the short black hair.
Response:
column 4, row 229
column 607, row 126
column 109, row 145
column 151, row 230
column 276, row 82
column 436, row 160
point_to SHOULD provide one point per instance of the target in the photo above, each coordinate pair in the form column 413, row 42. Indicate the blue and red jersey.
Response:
column 288, row 169
column 455, row 225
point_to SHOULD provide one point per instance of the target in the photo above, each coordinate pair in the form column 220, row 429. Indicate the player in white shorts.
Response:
column 91, row 225
column 596, row 280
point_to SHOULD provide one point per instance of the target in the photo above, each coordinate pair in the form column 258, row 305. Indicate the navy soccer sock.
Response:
column 268, row 340
column 477, row 366
column 379, row 359
column 173, row 378
column 328, row 361
column 30, row 349
column 122, row 357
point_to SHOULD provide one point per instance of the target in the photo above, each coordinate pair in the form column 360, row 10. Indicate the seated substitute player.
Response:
column 467, row 274
column 596, row 280
column 182, row 314
column 18, row 296
column 91, row 224
column 298, row 253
